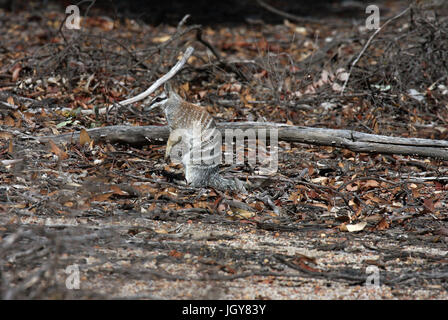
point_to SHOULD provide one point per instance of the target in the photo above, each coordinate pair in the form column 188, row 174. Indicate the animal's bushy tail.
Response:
column 203, row 176
column 223, row 184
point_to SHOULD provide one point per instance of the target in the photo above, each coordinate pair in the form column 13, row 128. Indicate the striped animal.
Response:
column 195, row 129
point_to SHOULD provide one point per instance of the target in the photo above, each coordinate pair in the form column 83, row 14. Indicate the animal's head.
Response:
column 163, row 99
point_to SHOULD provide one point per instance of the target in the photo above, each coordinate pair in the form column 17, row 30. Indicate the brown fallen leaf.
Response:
column 161, row 231
column 176, row 254
column 18, row 205
column 383, row 224
column 5, row 135
column 185, row 87
column 16, row 72
column 371, row 184
column 294, row 197
column 352, row 187
column 428, row 205
column 9, row 121
column 102, row 197
column 84, row 137
column 10, row 100
column 116, row 190
column 55, row 149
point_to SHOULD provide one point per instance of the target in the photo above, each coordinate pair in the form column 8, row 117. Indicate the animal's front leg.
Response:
column 172, row 141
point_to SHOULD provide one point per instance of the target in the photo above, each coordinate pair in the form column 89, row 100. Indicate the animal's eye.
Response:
column 158, row 99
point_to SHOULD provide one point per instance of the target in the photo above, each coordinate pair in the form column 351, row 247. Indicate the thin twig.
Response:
column 7, row 106
column 230, row 66
column 286, row 14
column 368, row 44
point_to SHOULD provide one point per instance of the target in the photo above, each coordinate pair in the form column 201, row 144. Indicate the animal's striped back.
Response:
column 198, row 130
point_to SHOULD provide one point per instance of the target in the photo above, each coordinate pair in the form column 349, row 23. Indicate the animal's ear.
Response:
column 170, row 91
column 168, row 88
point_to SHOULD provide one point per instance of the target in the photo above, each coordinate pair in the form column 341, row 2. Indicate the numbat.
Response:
column 194, row 128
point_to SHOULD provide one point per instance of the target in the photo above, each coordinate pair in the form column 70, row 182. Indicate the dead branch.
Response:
column 161, row 80
column 377, row 31
column 348, row 139
column 4, row 106
column 153, row 87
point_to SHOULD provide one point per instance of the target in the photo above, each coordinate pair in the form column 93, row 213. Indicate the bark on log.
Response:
column 352, row 140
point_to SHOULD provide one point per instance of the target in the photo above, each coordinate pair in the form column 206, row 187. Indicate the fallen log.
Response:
column 348, row 139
